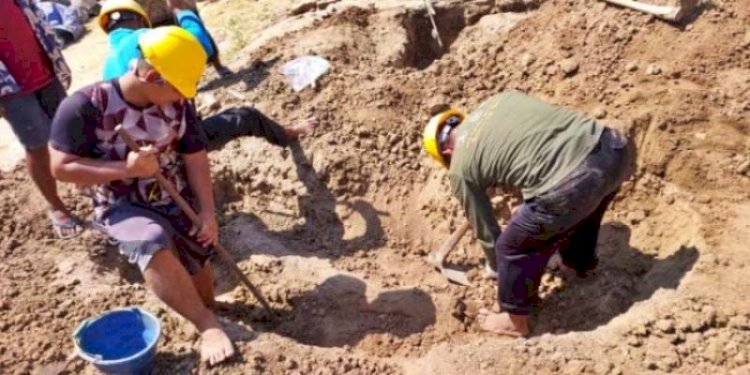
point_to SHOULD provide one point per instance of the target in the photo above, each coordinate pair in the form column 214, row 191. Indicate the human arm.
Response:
column 72, row 143
column 478, row 209
column 85, row 171
column 188, row 19
column 199, row 179
column 192, row 146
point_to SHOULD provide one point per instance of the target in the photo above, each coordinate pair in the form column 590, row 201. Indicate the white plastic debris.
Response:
column 304, row 71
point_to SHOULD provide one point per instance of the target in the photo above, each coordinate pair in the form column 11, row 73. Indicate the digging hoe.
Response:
column 665, row 12
column 185, row 206
column 437, row 258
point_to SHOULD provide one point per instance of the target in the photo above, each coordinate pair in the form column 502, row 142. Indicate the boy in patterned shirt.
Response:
column 150, row 103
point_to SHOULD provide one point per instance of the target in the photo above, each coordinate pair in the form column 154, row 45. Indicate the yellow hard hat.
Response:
column 176, row 55
column 111, row 6
column 432, row 130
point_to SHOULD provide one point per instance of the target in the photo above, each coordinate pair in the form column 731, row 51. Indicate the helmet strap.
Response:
column 449, row 124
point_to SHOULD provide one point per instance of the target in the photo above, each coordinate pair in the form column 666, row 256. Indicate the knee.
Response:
column 246, row 112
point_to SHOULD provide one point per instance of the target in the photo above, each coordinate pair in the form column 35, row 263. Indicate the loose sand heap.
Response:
column 334, row 233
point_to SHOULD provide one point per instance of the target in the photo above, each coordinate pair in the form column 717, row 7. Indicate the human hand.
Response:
column 208, row 233
column 142, row 163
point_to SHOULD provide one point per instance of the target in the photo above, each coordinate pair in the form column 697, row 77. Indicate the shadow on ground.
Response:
column 251, row 76
column 320, row 232
column 625, row 275
column 337, row 313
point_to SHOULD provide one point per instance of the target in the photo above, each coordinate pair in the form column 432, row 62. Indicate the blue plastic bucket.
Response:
column 119, row 342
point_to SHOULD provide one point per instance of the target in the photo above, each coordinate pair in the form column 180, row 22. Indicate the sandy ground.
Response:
column 334, row 231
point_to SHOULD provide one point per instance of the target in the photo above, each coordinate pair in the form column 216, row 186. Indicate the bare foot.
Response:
column 503, row 323
column 304, row 128
column 215, row 346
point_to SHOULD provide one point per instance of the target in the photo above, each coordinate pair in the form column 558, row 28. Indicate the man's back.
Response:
column 521, row 142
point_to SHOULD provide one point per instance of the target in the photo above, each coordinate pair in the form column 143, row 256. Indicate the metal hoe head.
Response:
column 453, row 275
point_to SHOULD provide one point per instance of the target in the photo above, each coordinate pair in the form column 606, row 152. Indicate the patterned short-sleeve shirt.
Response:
column 86, row 123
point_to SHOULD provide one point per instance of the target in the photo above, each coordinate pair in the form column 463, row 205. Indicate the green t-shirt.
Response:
column 519, row 142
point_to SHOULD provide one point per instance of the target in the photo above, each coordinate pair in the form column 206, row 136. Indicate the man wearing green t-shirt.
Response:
column 568, row 169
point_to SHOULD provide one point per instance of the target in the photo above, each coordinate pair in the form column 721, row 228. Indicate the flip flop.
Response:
column 58, row 226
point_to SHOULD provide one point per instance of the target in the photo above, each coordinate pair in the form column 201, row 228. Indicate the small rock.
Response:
column 527, row 59
column 709, row 312
column 576, row 367
column 631, row 67
column 636, row 216
column 634, row 341
column 714, row 352
column 740, row 359
column 569, row 67
column 304, row 6
column 600, row 113
column 323, row 4
column 669, row 199
column 665, row 325
column 11, row 245
column 744, row 168
column 740, row 322
column 290, row 364
column 438, row 104
column 653, row 70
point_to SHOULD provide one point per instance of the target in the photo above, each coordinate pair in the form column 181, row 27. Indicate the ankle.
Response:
column 58, row 212
column 207, row 321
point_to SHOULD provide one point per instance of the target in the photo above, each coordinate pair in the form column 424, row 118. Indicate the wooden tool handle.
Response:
column 188, row 210
column 451, row 242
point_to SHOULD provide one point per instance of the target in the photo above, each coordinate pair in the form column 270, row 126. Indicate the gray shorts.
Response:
column 142, row 231
column 30, row 115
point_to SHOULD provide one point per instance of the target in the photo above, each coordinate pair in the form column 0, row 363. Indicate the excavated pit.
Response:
column 334, row 232
column 422, row 48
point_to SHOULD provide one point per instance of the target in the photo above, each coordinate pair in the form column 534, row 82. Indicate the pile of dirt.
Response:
column 158, row 12
column 334, row 231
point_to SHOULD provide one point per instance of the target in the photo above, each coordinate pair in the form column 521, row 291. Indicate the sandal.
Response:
column 60, row 227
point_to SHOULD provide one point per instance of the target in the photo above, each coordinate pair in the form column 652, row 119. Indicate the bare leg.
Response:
column 169, row 280
column 204, row 284
column 37, row 162
column 503, row 323
column 38, row 165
